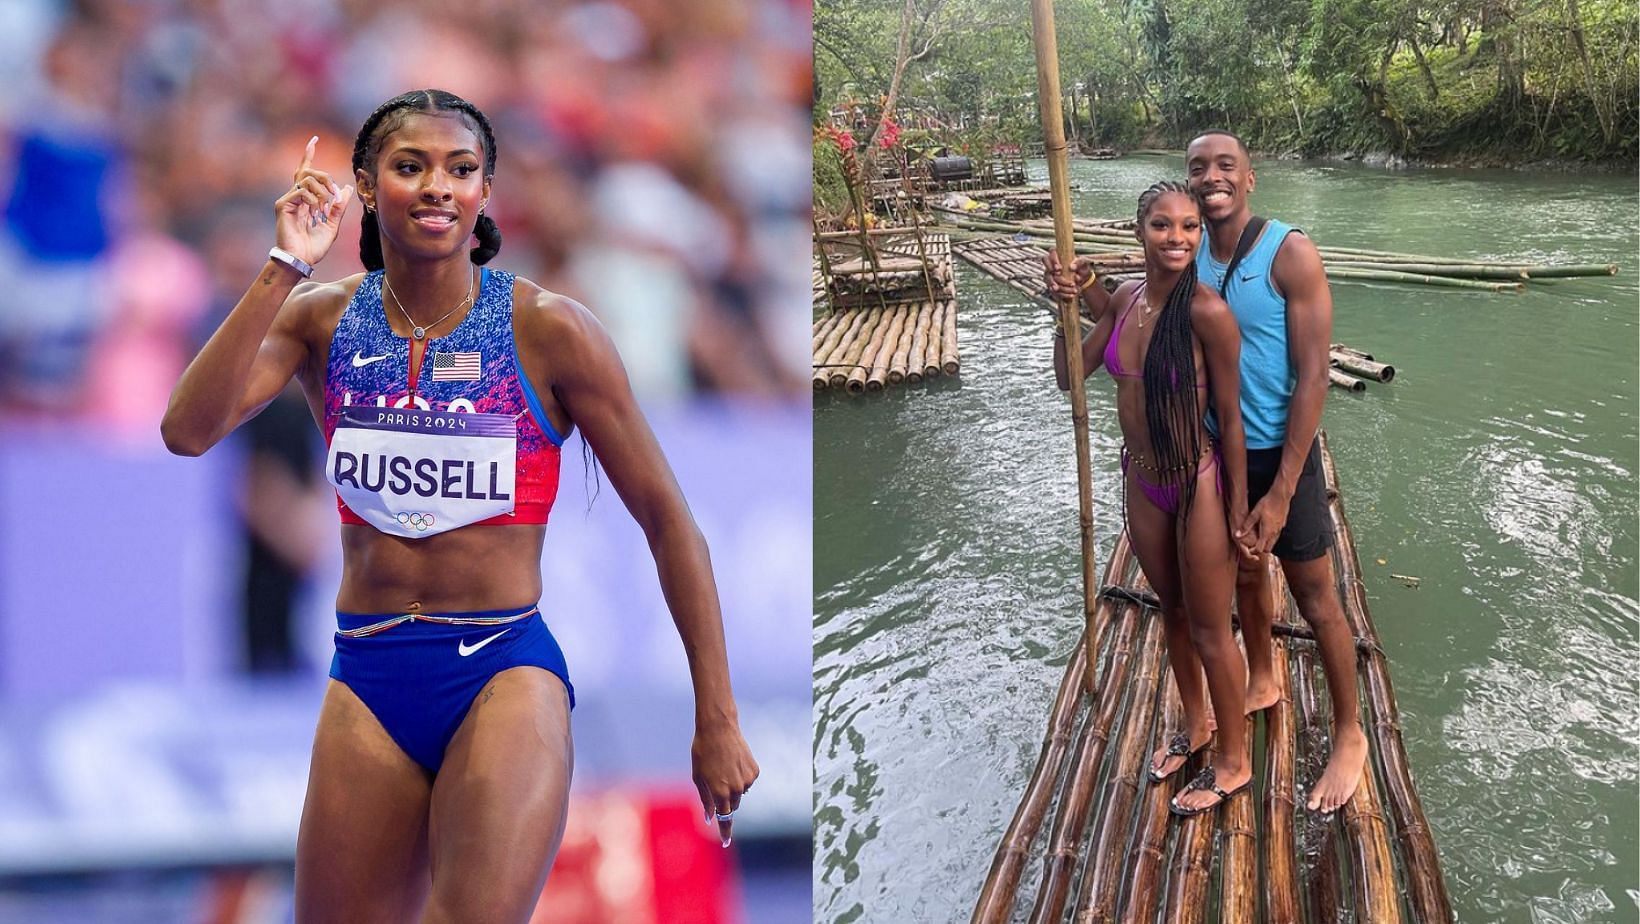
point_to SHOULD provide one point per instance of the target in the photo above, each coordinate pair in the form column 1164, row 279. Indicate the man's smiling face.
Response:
column 1218, row 170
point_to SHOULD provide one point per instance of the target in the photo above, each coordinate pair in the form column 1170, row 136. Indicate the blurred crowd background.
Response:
column 165, row 623
column 652, row 163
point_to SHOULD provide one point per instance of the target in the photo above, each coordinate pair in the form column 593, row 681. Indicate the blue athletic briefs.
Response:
column 420, row 678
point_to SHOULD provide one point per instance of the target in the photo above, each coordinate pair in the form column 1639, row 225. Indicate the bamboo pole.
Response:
column 1364, row 275
column 900, row 360
column 931, row 358
column 1427, row 897
column 851, row 357
column 878, row 377
column 856, row 381
column 1053, row 135
column 1347, row 382
column 1457, row 270
column 823, row 327
column 948, row 340
column 1238, row 874
column 919, row 343
column 1128, row 781
column 1575, row 269
column 1280, row 804
column 845, row 339
column 1341, row 348
column 1376, row 897
column 1072, row 814
column 1319, row 876
column 1149, row 849
column 996, row 897
column 1190, row 873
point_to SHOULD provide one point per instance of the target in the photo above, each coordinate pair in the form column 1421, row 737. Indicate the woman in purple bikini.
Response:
column 1173, row 348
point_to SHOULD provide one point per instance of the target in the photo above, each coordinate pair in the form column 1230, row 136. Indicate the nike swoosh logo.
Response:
column 359, row 359
column 464, row 649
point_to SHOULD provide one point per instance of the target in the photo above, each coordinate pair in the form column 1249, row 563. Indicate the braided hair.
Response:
column 1172, row 413
column 388, row 118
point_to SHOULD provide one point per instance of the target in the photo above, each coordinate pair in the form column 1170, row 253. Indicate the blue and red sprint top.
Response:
column 474, row 368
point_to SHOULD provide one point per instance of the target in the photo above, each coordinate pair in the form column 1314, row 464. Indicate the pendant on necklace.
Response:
column 420, row 333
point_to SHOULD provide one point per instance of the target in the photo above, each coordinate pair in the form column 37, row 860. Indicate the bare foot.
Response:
column 1262, row 693
column 1343, row 771
column 1227, row 778
column 1165, row 762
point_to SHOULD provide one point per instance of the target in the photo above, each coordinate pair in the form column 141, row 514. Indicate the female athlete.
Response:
column 441, row 765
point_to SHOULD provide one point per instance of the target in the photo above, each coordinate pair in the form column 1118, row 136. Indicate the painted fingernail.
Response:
column 727, row 840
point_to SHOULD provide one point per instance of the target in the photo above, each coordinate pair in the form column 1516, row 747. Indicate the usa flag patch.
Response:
column 457, row 367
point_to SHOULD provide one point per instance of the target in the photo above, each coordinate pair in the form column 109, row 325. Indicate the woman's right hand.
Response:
column 1059, row 288
column 309, row 215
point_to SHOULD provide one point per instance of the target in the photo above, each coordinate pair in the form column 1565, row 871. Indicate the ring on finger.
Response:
column 721, row 816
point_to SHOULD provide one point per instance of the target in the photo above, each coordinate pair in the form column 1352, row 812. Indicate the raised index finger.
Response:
column 307, row 154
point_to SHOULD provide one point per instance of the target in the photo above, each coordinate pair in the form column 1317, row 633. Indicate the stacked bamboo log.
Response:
column 1344, row 264
column 866, row 349
column 1114, row 853
column 1351, row 369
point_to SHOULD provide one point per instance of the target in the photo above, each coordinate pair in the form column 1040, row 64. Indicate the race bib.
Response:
column 417, row 473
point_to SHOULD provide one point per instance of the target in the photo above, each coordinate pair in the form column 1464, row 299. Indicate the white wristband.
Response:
column 293, row 261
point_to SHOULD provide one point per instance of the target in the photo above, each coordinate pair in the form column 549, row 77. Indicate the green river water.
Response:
column 1499, row 467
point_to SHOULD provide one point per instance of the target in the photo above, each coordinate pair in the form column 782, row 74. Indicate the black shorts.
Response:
column 1308, row 532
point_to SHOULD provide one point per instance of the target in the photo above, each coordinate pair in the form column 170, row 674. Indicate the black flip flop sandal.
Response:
column 1177, row 746
column 1204, row 780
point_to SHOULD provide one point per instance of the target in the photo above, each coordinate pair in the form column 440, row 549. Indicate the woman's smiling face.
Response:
column 429, row 185
column 1171, row 231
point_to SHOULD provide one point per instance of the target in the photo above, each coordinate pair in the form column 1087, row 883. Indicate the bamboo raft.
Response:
column 1114, row 239
column 867, row 348
column 1111, row 850
column 893, row 315
column 1019, row 264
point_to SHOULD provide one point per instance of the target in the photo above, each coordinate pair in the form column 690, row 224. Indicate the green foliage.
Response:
column 1500, row 80
column 830, row 189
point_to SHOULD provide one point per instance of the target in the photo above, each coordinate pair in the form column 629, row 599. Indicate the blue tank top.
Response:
column 1267, row 376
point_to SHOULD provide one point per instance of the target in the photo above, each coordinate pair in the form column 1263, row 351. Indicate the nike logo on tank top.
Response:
column 466, row 443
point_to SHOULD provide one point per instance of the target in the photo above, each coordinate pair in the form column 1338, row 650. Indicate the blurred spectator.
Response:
column 283, row 515
column 652, row 164
column 57, row 179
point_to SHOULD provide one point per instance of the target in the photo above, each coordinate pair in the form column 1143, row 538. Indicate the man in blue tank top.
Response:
column 1280, row 298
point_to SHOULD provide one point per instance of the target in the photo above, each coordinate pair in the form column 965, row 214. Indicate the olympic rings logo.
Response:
column 421, row 521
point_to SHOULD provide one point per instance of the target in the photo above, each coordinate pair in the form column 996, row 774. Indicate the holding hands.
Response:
column 1260, row 527
column 309, row 215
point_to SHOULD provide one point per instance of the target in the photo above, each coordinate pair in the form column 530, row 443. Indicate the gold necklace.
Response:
column 416, row 330
column 1144, row 312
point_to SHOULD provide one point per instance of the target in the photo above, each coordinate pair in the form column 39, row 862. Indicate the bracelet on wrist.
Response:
column 291, row 260
column 1090, row 281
